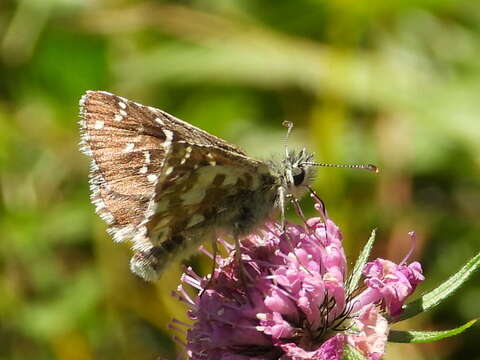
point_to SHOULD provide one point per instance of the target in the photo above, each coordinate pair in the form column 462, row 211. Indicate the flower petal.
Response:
column 389, row 284
column 371, row 331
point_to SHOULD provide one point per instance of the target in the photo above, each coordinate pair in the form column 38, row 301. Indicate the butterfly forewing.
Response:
column 123, row 158
column 162, row 182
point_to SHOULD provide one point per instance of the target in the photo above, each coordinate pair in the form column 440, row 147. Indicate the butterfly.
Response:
column 165, row 185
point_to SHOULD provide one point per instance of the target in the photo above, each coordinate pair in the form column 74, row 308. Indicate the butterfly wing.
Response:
column 156, row 179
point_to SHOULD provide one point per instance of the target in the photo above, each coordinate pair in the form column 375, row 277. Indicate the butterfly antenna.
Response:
column 368, row 167
column 289, row 126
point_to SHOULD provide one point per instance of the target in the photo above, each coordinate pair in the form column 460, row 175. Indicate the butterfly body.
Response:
column 166, row 185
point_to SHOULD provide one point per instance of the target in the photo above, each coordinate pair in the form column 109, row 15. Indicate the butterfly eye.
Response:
column 298, row 176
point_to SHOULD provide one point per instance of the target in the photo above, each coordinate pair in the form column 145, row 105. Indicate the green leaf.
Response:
column 416, row 337
column 361, row 261
column 436, row 296
column 350, row 353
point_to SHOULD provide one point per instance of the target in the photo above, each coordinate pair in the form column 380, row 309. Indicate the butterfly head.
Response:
column 297, row 172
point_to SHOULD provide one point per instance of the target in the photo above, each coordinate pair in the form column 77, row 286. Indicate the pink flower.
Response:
column 294, row 303
column 371, row 330
column 389, row 284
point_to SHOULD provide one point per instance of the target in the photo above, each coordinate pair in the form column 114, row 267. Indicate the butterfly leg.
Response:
column 283, row 223
column 282, row 196
column 298, row 210
column 243, row 275
column 214, row 262
column 214, row 266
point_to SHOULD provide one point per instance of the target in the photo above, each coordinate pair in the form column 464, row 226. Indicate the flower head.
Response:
column 295, row 303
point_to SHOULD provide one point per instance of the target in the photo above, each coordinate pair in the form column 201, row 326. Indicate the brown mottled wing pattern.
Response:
column 120, row 146
column 199, row 173
column 154, row 176
column 198, row 189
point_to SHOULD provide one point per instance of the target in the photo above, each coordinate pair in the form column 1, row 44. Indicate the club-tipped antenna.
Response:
column 289, row 126
column 368, row 167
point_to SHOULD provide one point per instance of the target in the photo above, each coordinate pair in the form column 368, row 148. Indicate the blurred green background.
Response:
column 395, row 83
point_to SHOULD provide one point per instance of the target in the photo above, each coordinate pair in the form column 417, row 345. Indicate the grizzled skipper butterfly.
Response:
column 166, row 185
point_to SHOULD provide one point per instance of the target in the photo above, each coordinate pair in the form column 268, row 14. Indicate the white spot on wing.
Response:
column 188, row 152
column 118, row 117
column 129, row 147
column 122, row 105
column 143, row 170
column 99, row 124
column 211, row 161
column 204, row 181
column 123, row 112
column 159, row 121
column 169, row 170
column 152, row 178
column 168, row 138
column 147, row 157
